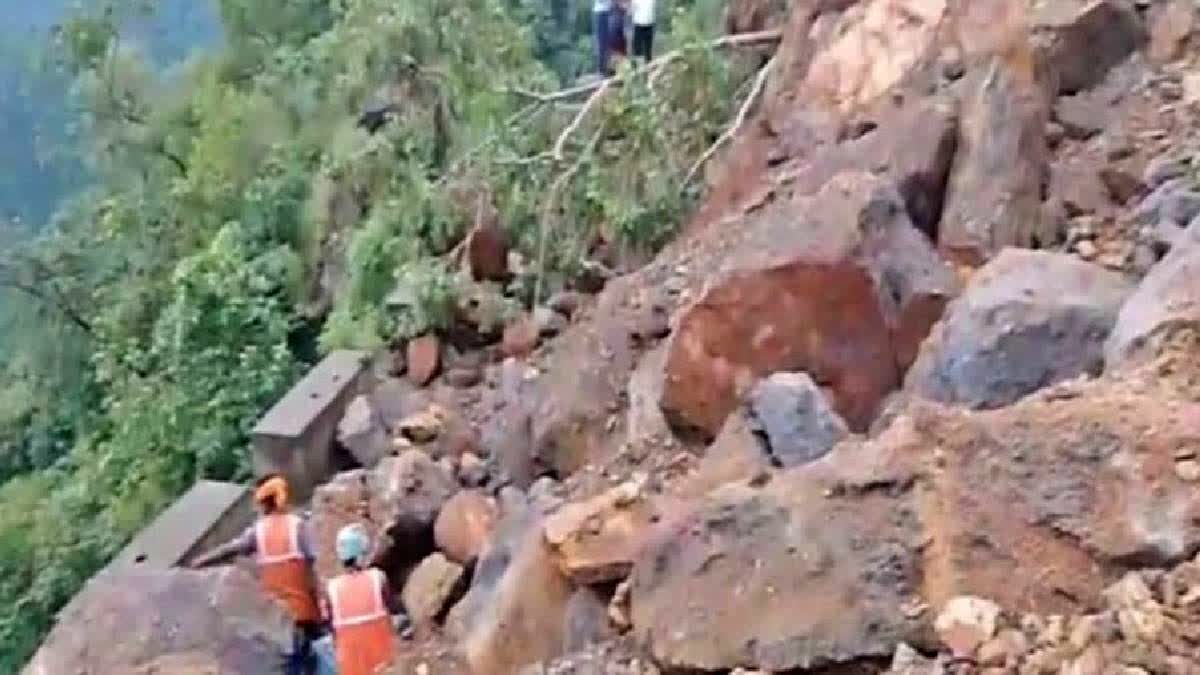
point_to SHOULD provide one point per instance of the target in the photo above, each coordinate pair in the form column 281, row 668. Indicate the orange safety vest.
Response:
column 362, row 629
column 282, row 567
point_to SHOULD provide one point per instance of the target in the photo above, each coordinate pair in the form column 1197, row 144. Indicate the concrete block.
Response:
column 208, row 514
column 296, row 437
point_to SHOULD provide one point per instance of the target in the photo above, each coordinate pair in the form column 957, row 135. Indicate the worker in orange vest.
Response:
column 359, row 605
column 282, row 546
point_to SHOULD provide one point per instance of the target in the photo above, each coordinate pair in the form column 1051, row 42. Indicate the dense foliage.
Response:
column 238, row 210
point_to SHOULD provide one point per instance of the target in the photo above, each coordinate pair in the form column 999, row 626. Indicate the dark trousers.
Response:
column 600, row 22
column 301, row 660
column 643, row 42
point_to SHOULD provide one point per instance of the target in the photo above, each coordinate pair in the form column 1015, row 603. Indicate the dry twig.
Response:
column 760, row 81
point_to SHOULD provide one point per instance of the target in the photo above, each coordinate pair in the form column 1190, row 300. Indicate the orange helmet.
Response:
column 273, row 490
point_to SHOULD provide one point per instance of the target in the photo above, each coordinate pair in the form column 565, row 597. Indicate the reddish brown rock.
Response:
column 520, row 337
column 116, row 624
column 995, row 194
column 431, row 588
column 1122, row 185
column 424, row 359
column 487, row 252
column 596, row 541
column 1037, row 507
column 841, row 286
column 464, row 525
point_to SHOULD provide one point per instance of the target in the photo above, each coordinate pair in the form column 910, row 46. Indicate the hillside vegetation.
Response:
column 239, row 224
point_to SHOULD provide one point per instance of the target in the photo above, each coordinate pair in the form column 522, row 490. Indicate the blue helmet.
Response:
column 352, row 541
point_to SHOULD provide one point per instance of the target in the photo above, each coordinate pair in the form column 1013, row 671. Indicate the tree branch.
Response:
column 561, row 143
column 551, row 199
column 760, row 81
column 727, row 41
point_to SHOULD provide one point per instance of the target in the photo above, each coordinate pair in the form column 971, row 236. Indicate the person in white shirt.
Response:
column 601, row 9
column 643, row 29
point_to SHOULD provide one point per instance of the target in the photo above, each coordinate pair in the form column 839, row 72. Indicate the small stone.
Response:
column 520, row 337
column 424, row 357
column 424, row 426
column 1188, row 470
column 1086, row 249
column 472, row 471
column 967, row 622
column 1191, row 88
column 1121, row 185
column 422, row 668
column 1055, row 133
column 464, row 378
column 549, row 322
column 565, row 303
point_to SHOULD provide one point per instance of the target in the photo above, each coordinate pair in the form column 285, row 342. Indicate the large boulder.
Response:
column 514, row 613
column 1037, row 507
column 792, row 415
column 994, row 197
column 465, row 524
column 1167, row 300
column 362, row 433
column 430, row 589
column 725, row 589
column 839, row 285
column 131, row 619
column 582, row 382
column 1082, row 40
column 1028, row 319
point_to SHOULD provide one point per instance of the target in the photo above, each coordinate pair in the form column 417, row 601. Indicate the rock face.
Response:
column 841, row 286
column 362, row 433
column 513, row 614
column 1089, row 477
column 723, row 591
column 431, row 588
column 116, row 625
column 791, row 413
column 464, row 525
column 1028, row 319
column 1167, row 300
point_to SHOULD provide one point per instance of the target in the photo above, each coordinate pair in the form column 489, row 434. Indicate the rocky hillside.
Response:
column 918, row 389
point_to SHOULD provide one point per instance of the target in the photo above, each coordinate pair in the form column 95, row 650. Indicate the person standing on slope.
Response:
column 643, row 29
column 280, row 542
column 601, row 9
column 359, row 605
